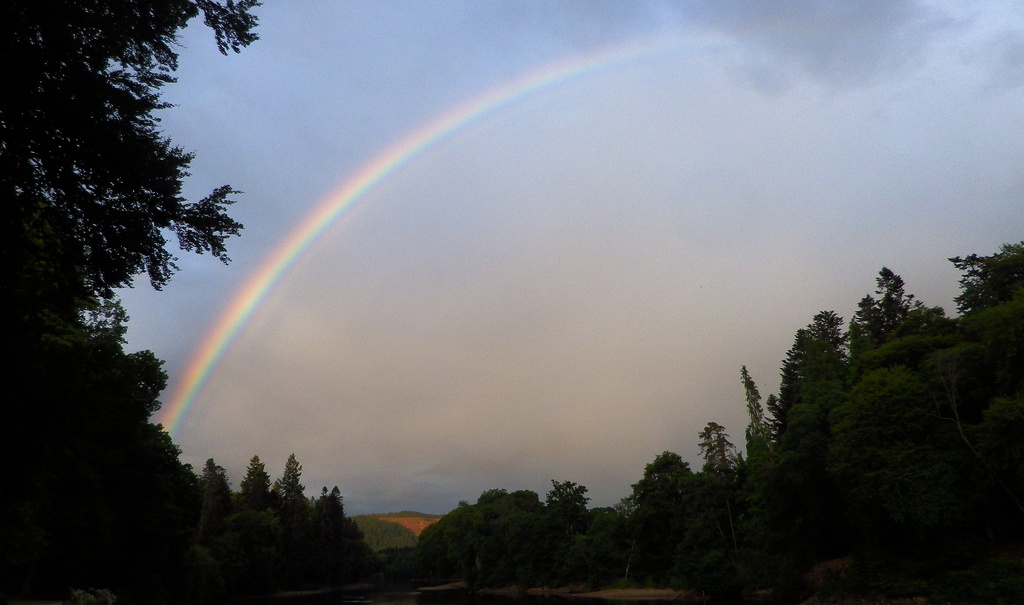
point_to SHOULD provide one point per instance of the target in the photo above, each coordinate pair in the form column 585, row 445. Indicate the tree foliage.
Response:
column 297, row 542
column 90, row 189
column 990, row 280
column 88, row 180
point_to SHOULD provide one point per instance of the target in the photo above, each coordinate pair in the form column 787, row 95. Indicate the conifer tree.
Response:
column 216, row 502
column 758, row 433
column 255, row 488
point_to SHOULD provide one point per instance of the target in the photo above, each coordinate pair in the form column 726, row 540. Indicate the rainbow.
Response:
column 256, row 289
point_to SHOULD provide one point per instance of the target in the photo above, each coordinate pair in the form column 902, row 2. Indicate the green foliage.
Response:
column 1001, row 329
column 89, row 189
column 653, row 525
column 566, row 508
column 203, row 577
column 999, row 437
column 381, row 534
column 820, row 347
column 397, row 565
column 713, row 573
column 758, row 434
column 84, row 163
column 989, row 281
column 512, row 539
column 896, row 462
column 878, row 318
column 290, row 545
column 93, row 596
column 250, row 552
column 718, row 452
column 338, row 552
column 255, row 488
column 998, row 580
column 216, row 502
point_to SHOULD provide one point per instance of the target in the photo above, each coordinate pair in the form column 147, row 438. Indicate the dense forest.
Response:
column 890, row 462
column 264, row 538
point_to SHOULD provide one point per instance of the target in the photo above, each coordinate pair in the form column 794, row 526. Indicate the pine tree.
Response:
column 216, row 502
column 255, row 488
column 758, row 433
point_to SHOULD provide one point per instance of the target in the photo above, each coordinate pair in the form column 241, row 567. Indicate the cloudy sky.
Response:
column 568, row 285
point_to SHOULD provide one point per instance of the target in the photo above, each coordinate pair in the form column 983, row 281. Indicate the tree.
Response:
column 714, row 491
column 127, row 525
column 758, row 433
column 789, row 386
column 827, row 327
column 251, row 552
column 896, row 461
column 216, row 502
column 566, row 503
column 292, row 490
column 989, row 280
column 339, row 553
column 1002, row 449
column 718, row 452
column 84, row 171
column 878, row 318
column 255, row 488
column 826, row 330
column 566, row 520
column 802, row 519
column 449, row 547
column 656, row 521
column 88, row 189
column 295, row 547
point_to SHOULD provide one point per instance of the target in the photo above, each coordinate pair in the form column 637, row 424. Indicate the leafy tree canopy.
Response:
column 89, row 184
column 990, row 280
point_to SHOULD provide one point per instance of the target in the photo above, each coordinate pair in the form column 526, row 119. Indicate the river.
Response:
column 411, row 597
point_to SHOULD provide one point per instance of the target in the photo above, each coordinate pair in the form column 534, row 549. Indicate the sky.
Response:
column 629, row 202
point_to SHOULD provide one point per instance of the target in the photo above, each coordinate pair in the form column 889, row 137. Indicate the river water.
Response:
column 411, row 597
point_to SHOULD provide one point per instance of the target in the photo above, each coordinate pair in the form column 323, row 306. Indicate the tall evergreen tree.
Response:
column 758, row 433
column 826, row 329
column 216, row 502
column 291, row 488
column 294, row 508
column 255, row 488
column 878, row 318
column 718, row 452
column 340, row 554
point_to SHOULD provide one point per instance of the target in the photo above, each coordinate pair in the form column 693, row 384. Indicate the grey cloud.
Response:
column 569, row 287
column 575, row 21
column 1005, row 60
column 844, row 42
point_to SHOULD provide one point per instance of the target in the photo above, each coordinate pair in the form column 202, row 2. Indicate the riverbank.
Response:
column 913, row 601
column 651, row 594
column 640, row 594
column 610, row 594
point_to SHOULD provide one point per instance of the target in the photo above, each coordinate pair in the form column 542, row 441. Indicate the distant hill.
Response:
column 394, row 530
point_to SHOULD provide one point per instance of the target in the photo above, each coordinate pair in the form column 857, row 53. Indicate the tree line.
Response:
column 890, row 462
column 265, row 538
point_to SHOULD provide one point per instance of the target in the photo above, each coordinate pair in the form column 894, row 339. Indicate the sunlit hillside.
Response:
column 394, row 530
